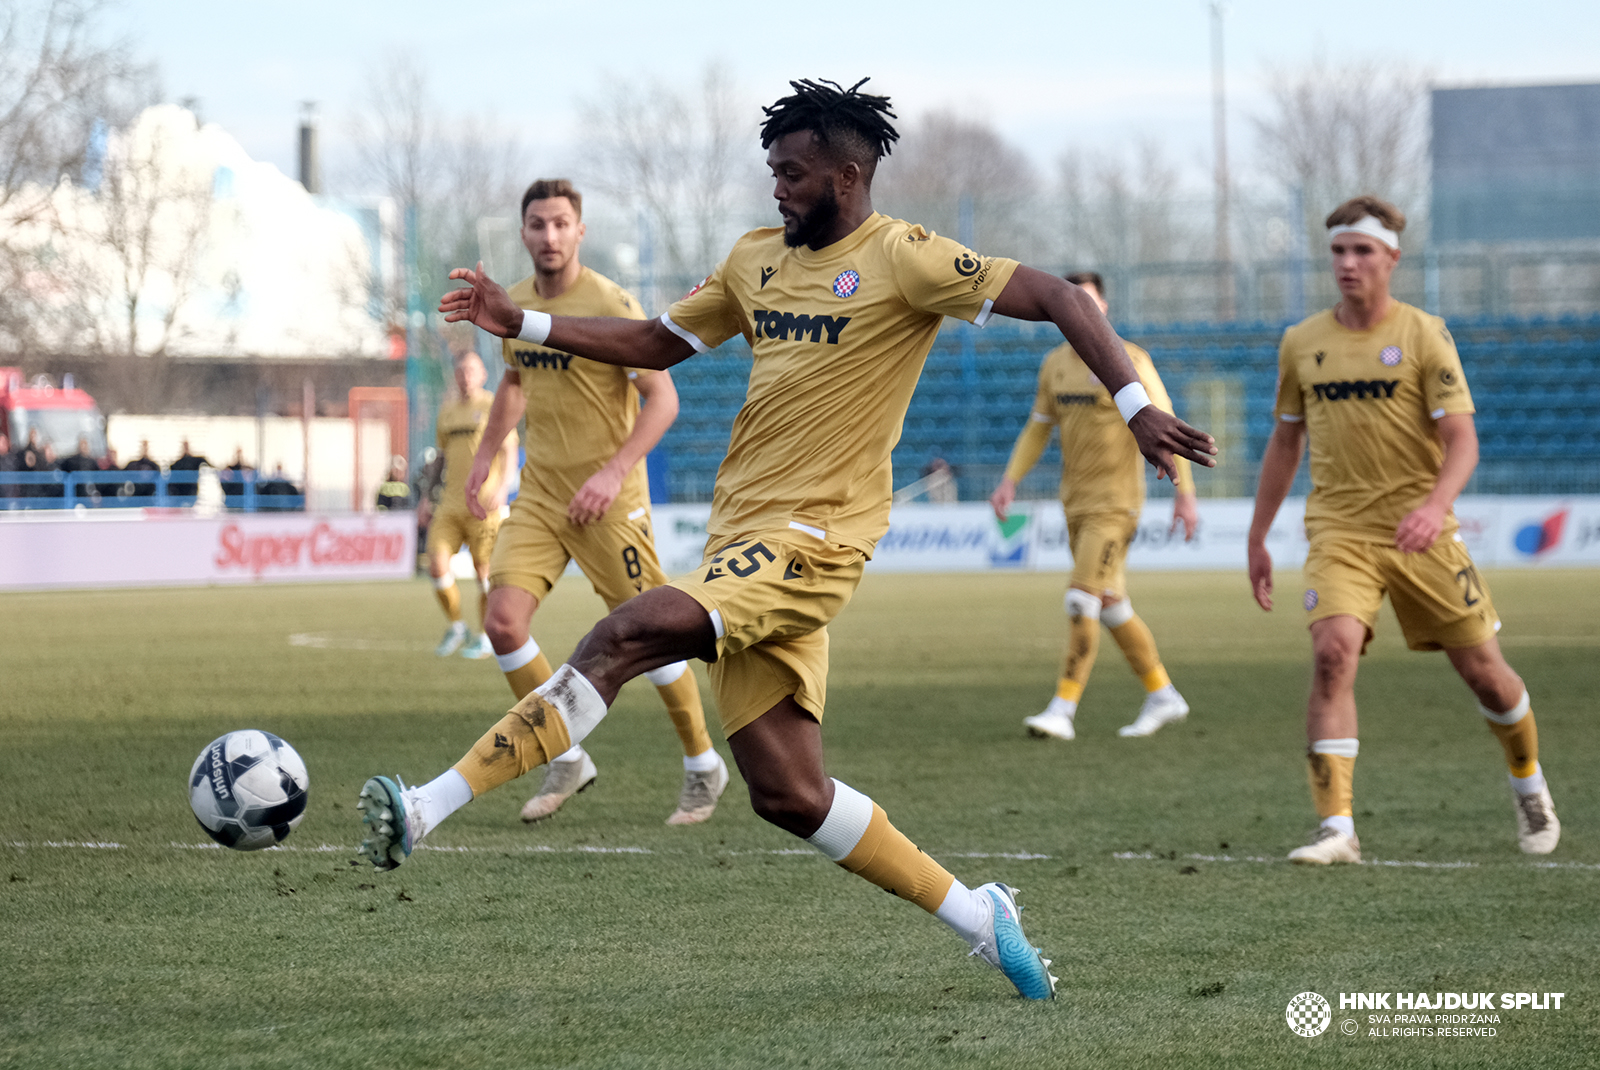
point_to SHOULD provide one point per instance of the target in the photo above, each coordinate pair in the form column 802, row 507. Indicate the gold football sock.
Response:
column 1332, row 777
column 530, row 676
column 1083, row 643
column 682, row 699
column 886, row 858
column 1520, row 740
column 450, row 599
column 1139, row 647
column 1068, row 690
column 526, row 738
column 1155, row 679
column 483, row 606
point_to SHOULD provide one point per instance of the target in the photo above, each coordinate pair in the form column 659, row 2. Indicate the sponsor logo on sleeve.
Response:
column 968, row 264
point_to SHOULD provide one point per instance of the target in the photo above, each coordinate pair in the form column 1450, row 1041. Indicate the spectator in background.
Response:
column 30, row 459
column 941, row 482
column 112, row 488
column 9, row 462
column 143, row 463
column 278, row 486
column 234, row 476
column 183, row 488
column 82, row 461
column 48, row 463
column 395, row 493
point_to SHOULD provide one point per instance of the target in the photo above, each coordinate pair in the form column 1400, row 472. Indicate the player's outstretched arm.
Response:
column 1421, row 527
column 607, row 339
column 1278, row 465
column 1031, row 294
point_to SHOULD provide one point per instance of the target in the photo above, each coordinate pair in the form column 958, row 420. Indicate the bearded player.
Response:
column 1377, row 387
column 584, row 495
column 840, row 306
column 460, row 430
column 1102, row 491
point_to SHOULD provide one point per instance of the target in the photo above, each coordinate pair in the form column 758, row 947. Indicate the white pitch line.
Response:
column 1015, row 856
column 1147, row 856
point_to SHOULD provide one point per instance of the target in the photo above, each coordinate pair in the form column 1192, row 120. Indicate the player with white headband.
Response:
column 1377, row 387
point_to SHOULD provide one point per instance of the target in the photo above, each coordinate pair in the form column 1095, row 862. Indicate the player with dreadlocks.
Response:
column 840, row 307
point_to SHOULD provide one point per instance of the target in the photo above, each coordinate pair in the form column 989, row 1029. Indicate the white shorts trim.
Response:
column 637, row 513
column 815, row 533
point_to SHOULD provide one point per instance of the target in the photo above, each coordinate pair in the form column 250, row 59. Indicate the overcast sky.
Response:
column 1051, row 76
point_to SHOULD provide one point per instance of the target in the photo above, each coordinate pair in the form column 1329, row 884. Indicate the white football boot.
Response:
column 1327, row 847
column 700, row 793
column 562, row 780
column 478, row 649
column 1538, row 828
column 1161, row 707
column 1055, row 722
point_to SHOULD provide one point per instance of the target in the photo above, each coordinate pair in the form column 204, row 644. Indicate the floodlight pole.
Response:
column 1219, row 141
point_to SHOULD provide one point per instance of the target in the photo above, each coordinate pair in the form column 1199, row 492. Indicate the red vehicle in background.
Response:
column 62, row 413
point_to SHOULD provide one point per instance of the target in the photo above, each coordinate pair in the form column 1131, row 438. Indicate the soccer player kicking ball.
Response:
column 584, row 496
column 1102, row 491
column 1377, row 386
column 461, row 427
column 840, row 306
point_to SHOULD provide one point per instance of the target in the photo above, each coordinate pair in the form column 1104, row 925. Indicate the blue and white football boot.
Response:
column 390, row 815
column 1002, row 945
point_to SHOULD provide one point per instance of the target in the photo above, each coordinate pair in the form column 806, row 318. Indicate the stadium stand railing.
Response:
column 133, row 490
column 1535, row 383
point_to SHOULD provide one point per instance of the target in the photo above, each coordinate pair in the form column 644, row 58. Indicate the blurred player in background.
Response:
column 461, row 430
column 1102, row 491
column 1377, row 386
column 840, row 306
column 584, row 494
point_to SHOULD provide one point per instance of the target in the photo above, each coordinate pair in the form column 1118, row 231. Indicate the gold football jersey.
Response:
column 580, row 412
column 1102, row 469
column 1369, row 400
column 838, row 336
column 459, row 433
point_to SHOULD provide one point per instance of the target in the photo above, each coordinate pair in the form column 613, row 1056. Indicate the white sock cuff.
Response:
column 845, row 824
column 1344, row 824
column 445, row 582
column 1082, row 604
column 1511, row 716
column 1117, row 614
column 573, row 753
column 667, row 674
column 1343, row 748
column 519, row 657
column 1532, row 784
column 701, row 763
column 580, row 705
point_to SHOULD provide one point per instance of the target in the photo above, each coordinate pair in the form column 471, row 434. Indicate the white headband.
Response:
column 1369, row 225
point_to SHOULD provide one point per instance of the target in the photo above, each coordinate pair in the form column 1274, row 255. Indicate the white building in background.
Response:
column 222, row 255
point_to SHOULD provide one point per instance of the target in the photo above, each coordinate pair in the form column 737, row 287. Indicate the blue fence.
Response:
column 1536, row 384
column 125, row 490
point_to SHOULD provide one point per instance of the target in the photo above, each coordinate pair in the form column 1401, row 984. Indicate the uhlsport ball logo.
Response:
column 1308, row 1014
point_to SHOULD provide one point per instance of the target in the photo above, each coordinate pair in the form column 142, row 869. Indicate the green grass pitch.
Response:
column 603, row 938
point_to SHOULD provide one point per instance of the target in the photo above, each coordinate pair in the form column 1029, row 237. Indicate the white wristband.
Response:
column 1130, row 399
column 535, row 327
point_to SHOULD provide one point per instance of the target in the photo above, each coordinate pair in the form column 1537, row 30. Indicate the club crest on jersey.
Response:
column 1311, row 600
column 1390, row 356
column 846, row 284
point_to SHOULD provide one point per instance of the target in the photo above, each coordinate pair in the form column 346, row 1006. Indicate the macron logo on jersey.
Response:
column 1357, row 388
column 782, row 326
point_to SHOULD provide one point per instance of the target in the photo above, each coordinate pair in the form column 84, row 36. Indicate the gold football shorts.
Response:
column 535, row 544
column 1438, row 596
column 1099, row 543
column 771, row 597
column 447, row 531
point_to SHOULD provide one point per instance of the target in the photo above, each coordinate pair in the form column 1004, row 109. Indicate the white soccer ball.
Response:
column 248, row 790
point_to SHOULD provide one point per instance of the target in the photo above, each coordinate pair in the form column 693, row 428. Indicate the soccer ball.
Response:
column 248, row 790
